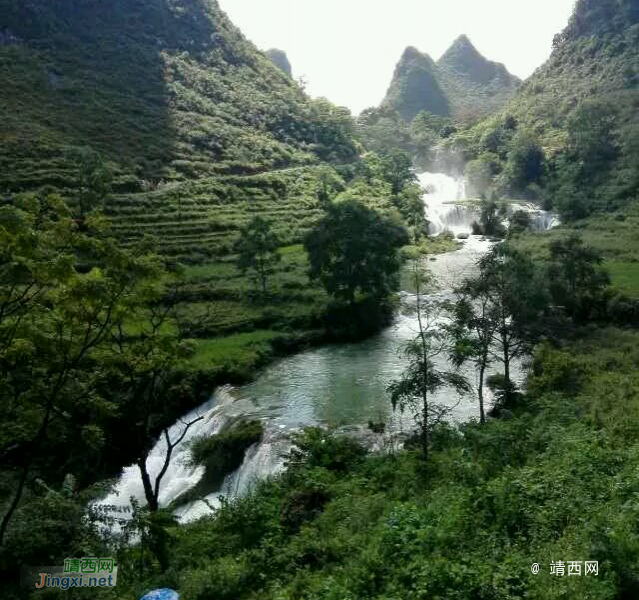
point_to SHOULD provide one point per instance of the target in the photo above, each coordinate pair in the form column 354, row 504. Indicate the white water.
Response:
column 447, row 209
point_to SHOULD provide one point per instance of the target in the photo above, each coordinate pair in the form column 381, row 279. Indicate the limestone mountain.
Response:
column 280, row 60
column 415, row 86
column 474, row 85
column 462, row 84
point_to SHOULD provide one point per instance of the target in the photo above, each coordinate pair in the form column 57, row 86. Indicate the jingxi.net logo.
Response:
column 76, row 572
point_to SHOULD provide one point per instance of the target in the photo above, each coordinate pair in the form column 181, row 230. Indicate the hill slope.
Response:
column 164, row 90
column 596, row 56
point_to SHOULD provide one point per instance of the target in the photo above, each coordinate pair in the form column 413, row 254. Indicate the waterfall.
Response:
column 540, row 220
column 448, row 209
column 180, row 476
column 445, row 207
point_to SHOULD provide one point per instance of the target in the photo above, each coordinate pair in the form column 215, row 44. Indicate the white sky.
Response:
column 347, row 49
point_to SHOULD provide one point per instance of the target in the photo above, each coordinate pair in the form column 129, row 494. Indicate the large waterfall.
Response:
column 448, row 209
column 445, row 209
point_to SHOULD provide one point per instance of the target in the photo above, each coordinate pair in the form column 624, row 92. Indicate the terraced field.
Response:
column 196, row 223
column 197, row 220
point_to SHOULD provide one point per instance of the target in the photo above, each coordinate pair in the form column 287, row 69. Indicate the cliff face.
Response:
column 462, row 84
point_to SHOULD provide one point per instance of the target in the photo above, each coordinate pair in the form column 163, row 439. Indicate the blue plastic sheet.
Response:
column 163, row 594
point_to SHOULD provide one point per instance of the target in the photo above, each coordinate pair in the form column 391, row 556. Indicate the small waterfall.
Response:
column 179, row 476
column 445, row 209
column 540, row 220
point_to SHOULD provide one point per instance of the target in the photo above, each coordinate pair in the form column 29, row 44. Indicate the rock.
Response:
column 463, row 236
column 280, row 60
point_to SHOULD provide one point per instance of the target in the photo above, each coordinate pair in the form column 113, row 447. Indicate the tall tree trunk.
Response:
column 507, row 388
column 480, row 391
column 424, row 344
column 14, row 503
column 149, row 494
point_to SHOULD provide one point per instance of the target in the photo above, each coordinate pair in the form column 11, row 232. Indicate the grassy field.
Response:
column 614, row 235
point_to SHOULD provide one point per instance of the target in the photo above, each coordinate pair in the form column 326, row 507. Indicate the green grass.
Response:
column 624, row 276
column 239, row 351
column 615, row 236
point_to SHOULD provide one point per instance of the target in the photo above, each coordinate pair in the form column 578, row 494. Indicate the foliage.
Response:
column 354, row 250
column 257, row 249
column 576, row 279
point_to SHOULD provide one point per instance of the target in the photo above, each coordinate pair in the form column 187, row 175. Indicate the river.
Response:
column 341, row 386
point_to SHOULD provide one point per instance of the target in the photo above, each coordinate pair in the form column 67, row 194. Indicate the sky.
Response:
column 346, row 50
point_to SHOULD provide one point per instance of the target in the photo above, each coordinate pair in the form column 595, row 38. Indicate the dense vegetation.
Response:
column 568, row 138
column 278, row 222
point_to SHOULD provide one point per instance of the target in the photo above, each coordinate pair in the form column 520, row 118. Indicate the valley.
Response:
column 255, row 346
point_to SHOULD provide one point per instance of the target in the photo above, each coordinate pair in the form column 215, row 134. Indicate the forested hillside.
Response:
column 164, row 91
column 580, row 108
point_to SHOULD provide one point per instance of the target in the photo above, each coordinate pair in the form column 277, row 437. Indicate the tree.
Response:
column 354, row 249
column 55, row 322
column 397, row 169
column 519, row 222
column 525, row 163
column 576, row 278
column 95, row 180
column 257, row 249
column 473, row 330
column 141, row 371
column 512, row 302
column 422, row 378
column 490, row 219
column 592, row 144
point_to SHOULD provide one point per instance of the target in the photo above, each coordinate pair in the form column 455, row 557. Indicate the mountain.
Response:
column 474, row 85
column 582, row 107
column 415, row 86
column 280, row 60
column 194, row 122
column 595, row 57
column 462, row 84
